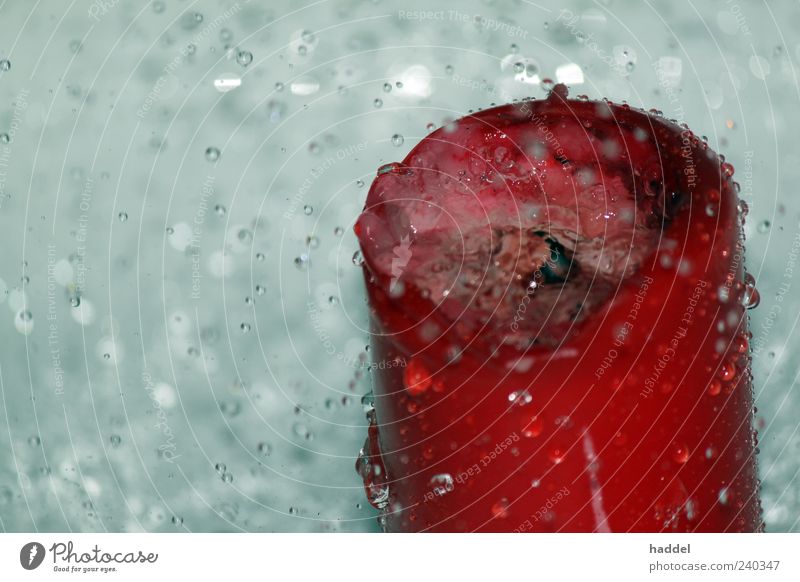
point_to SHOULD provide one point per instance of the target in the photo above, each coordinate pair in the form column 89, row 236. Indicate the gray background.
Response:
column 182, row 336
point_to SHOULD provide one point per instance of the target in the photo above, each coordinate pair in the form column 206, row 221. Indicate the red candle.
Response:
column 558, row 308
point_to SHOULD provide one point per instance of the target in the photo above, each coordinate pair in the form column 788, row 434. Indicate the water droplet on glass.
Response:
column 212, row 154
column 123, row 216
column 750, row 296
column 416, row 377
column 448, row 69
column 358, row 259
column 520, row 398
column 245, row 327
column 244, row 58
column 377, row 103
column 680, row 453
column 220, row 210
column 302, row 262
column 34, row 441
column 308, row 210
column 5, row 138
column 116, row 440
column 441, row 484
column 397, row 140
column 763, row 226
column 177, row 520
column 220, row 468
column 338, row 231
column 387, row 87
column 260, row 290
column 5, row 65
column 264, row 449
column 500, row 509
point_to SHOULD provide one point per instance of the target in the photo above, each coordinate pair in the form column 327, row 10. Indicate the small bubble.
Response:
column 25, row 315
column 387, row 87
column 279, row 86
column 244, row 58
column 227, row 478
column 5, row 138
column 245, row 327
column 34, row 441
column 123, row 216
column 338, row 231
column 212, row 154
column 5, row 65
column 220, row 210
column 264, row 449
column 260, row 257
column 377, row 103
column 762, row 227
column 191, row 49
column 399, row 84
column 116, row 440
column 397, row 140
column 430, row 127
column 75, row 301
column 177, row 520
column 260, row 290
column 448, row 69
column 314, row 148
column 302, row 50
column 220, row 468
column 312, row 242
column 358, row 259
column 519, row 67
column 308, row 210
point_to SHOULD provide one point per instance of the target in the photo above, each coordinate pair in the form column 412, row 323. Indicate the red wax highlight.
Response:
column 558, row 313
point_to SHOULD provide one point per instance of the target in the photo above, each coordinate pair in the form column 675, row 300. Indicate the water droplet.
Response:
column 212, row 154
column 519, row 67
column 302, row 262
column 264, row 449
column 338, row 231
column 75, row 301
column 279, row 86
column 397, row 140
column 763, row 226
column 377, row 103
column 25, row 315
column 500, row 509
column 520, row 398
column 534, row 428
column 387, row 87
column 448, row 69
column 260, row 289
column 714, row 387
column 358, row 259
column 724, row 496
column 360, row 183
column 123, row 216
column 5, row 138
column 34, row 441
column 711, row 209
column 220, row 210
column 750, row 296
column 5, row 65
column 177, row 520
column 245, row 327
column 430, row 127
column 220, row 468
column 244, row 58
column 535, row 483
column 680, row 453
column 116, row 440
column 416, row 377
column 260, row 257
column 441, row 484
column 227, row 478
column 308, row 210
column 312, row 242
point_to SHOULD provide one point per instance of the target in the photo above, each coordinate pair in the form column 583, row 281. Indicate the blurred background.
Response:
column 183, row 331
